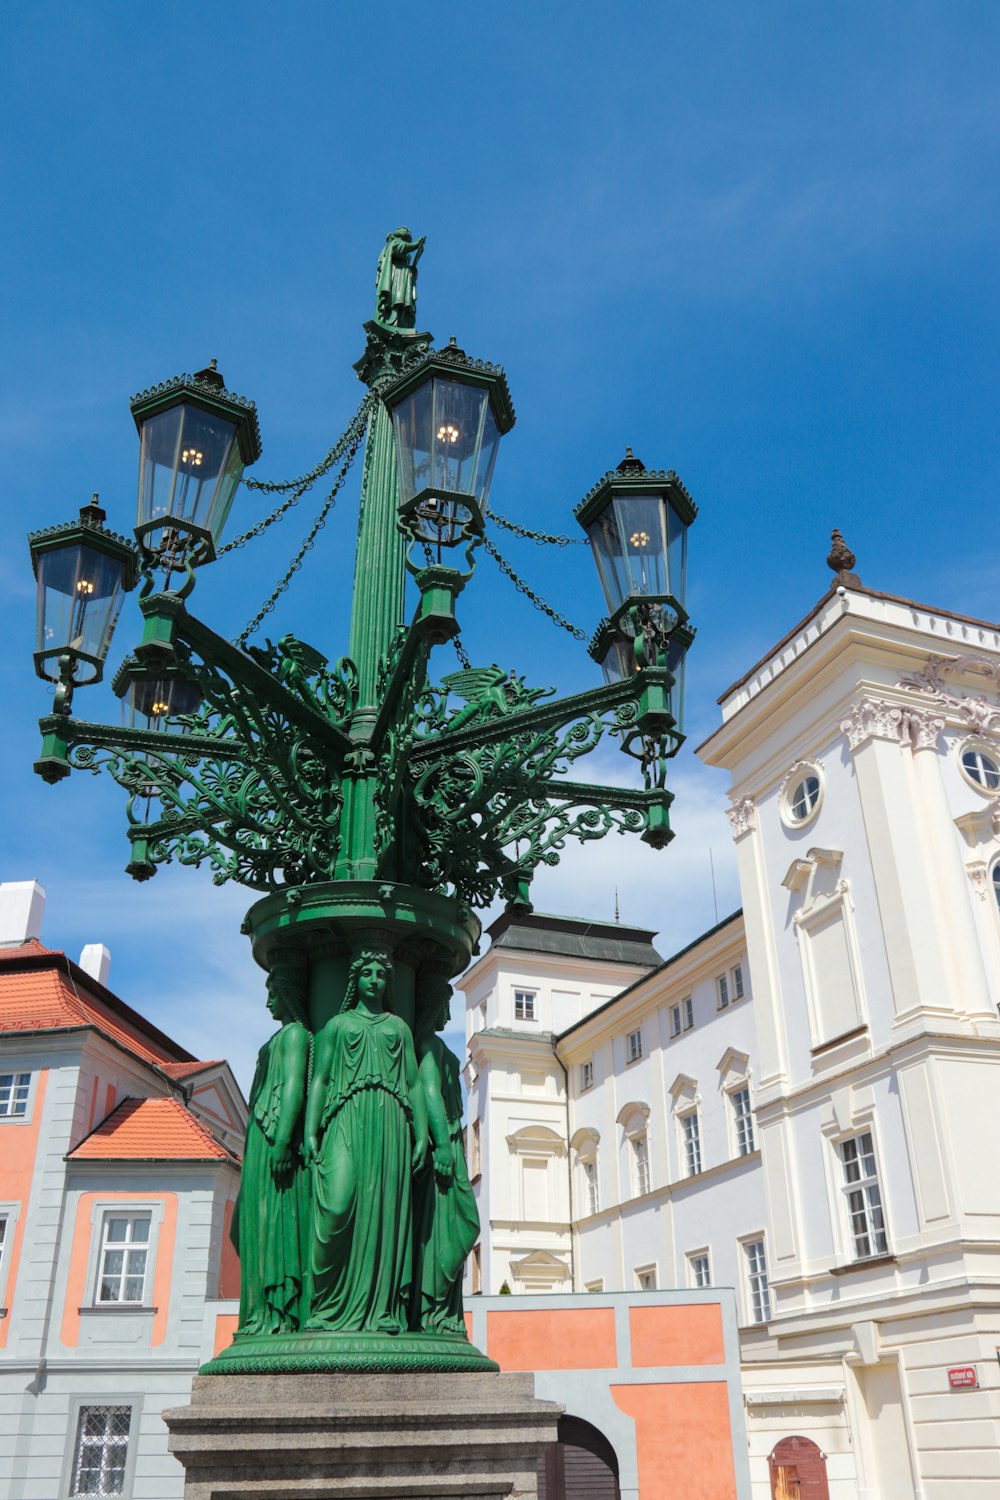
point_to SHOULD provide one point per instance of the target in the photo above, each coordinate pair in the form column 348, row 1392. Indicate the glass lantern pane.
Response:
column 677, row 535
column 640, row 523
column 79, row 598
column 457, row 432
column 619, row 663
column 605, row 540
column 188, row 469
column 412, row 423
column 150, row 702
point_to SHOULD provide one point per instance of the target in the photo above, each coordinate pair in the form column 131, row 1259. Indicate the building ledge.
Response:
column 863, row 1265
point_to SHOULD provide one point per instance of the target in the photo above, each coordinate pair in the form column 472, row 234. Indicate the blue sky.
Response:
column 757, row 243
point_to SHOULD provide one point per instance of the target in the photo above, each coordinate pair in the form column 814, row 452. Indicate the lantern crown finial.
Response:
column 93, row 512
column 630, row 464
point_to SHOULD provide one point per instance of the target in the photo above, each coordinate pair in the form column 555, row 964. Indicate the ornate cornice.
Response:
column 977, row 712
column 742, row 817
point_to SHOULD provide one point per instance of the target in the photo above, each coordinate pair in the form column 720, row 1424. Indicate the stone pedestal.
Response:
column 411, row 1436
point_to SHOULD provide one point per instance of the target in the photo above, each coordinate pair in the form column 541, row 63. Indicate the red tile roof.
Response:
column 188, row 1069
column 42, row 990
column 151, row 1130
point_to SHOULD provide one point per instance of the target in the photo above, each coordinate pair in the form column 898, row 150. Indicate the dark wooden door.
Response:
column 582, row 1465
column 798, row 1471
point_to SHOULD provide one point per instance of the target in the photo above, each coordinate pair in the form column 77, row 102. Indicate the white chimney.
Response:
column 95, row 960
column 22, row 907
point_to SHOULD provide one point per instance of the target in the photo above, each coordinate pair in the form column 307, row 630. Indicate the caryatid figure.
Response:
column 366, row 1133
column 270, row 1225
column 445, row 1219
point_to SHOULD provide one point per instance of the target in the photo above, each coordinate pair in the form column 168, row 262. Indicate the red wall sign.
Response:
column 963, row 1378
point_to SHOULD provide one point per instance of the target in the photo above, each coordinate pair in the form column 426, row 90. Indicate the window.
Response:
column 645, row 1278
column 864, row 1200
column 640, row 1156
column 124, row 1251
column 688, row 1013
column 801, row 795
column 804, row 798
column 101, row 1450
column 743, row 1120
column 593, row 1187
column 699, row 1270
column 14, row 1089
column 981, row 768
column 675, row 1020
column 524, row 1005
column 477, row 1149
column 759, row 1294
column 477, row 1270
column 691, row 1136
column 633, row 1045
column 722, row 992
column 737, row 978
column 587, row 1075
column 996, row 883
column 594, row 1286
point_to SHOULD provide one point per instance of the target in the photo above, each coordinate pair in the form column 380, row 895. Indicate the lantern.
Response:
column 636, row 521
column 195, row 439
column 449, row 414
column 83, row 572
column 150, row 699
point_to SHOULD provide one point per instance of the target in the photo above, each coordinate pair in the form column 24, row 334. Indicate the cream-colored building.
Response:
column 802, row 1102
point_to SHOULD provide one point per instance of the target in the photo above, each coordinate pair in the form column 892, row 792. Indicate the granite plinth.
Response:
column 385, row 1436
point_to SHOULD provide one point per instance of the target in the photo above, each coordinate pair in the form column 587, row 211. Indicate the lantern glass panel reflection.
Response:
column 189, row 468
column 620, row 662
column 80, row 593
column 446, row 440
column 149, row 702
column 634, row 552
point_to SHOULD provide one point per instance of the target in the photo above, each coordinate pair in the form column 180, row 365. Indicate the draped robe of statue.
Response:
column 396, row 280
column 361, row 1260
column 273, row 1215
column 446, row 1219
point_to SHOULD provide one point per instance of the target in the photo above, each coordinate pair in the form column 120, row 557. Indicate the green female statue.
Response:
column 446, row 1219
column 366, row 1132
column 271, row 1219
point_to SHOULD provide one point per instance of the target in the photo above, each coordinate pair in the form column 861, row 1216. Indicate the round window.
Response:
column 802, row 795
column 981, row 768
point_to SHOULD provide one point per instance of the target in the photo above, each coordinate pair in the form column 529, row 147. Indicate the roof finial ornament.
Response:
column 841, row 559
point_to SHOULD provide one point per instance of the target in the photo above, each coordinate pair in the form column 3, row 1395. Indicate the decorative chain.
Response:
column 537, row 536
column 538, row 602
column 463, row 655
column 314, row 531
column 305, row 482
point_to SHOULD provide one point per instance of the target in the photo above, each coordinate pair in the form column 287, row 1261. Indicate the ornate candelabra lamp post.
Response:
column 373, row 807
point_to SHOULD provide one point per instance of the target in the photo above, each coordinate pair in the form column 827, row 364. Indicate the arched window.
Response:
column 582, row 1462
column 588, row 1187
column 637, row 1169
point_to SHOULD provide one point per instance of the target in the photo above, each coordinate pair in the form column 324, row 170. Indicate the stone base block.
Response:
column 362, row 1437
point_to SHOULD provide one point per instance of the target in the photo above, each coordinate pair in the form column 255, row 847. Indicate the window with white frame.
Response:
column 691, row 1141
column 524, row 1005
column 587, row 1075
column 476, row 1164
column 688, row 1005
column 645, row 1278
column 4, row 1221
column 675, row 1020
column 121, row 1276
column 699, row 1268
column 640, row 1161
column 14, row 1090
column 864, row 1198
column 633, row 1045
column 721, row 992
column 101, row 1453
column 995, row 877
column 742, row 1120
column 758, row 1291
column 981, row 768
column 736, row 975
column 592, row 1185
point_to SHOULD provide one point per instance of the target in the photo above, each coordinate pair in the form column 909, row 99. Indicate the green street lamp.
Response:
column 371, row 802
column 195, row 439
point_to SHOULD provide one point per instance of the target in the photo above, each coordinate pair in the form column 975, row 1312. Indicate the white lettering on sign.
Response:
column 964, row 1378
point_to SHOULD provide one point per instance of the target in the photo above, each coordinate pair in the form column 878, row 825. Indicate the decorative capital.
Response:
column 872, row 718
column 742, row 817
column 925, row 730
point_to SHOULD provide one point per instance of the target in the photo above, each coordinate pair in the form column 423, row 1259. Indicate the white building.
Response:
column 857, row 1207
